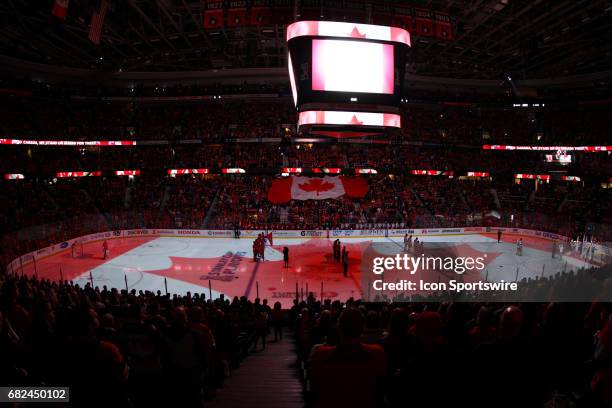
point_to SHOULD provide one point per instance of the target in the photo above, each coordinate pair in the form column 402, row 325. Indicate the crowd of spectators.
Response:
column 211, row 121
column 145, row 349
column 42, row 209
column 216, row 120
column 122, row 349
column 243, row 201
column 134, row 349
column 42, row 89
column 477, row 354
column 270, row 158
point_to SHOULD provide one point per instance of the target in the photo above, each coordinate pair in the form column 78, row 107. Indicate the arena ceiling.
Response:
column 492, row 38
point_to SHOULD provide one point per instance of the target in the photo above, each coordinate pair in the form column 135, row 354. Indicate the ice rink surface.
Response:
column 226, row 265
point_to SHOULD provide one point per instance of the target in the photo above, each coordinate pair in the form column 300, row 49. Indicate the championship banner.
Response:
column 213, row 15
column 423, row 23
column 444, row 30
column 213, row 19
column 316, row 188
column 237, row 14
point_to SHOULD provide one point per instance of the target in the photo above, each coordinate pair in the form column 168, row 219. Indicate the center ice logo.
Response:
column 226, row 268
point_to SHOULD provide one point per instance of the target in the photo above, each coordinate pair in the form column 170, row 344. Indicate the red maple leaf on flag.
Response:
column 316, row 185
column 356, row 34
column 355, row 121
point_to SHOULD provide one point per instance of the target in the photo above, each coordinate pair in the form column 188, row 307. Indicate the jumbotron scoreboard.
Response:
column 346, row 76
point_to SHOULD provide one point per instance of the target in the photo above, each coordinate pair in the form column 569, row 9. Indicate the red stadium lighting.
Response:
column 571, row 178
column 448, row 173
column 544, row 177
column 426, row 172
column 366, row 171
column 66, row 174
column 233, row 170
column 292, row 170
column 180, row 172
column 127, row 173
column 332, row 170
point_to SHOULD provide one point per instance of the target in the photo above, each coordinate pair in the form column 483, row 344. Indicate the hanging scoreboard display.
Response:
column 337, row 63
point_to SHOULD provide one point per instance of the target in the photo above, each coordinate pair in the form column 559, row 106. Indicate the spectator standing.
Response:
column 261, row 330
column 185, row 360
column 351, row 373
column 277, row 321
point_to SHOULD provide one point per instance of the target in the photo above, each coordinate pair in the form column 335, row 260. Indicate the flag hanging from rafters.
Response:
column 97, row 21
column 60, row 9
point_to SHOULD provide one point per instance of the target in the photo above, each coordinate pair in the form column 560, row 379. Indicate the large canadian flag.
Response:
column 316, row 188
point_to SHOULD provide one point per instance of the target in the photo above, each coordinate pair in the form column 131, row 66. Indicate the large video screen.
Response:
column 352, row 66
column 333, row 63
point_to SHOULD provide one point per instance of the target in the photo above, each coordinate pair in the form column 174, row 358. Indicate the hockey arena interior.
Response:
column 212, row 203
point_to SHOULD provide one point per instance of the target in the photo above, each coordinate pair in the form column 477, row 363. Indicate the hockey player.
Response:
column 519, row 247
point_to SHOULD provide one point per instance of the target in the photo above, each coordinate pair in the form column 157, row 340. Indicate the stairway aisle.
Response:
column 266, row 379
